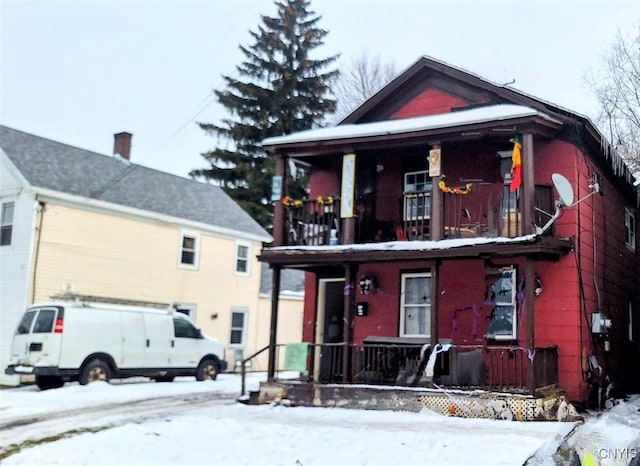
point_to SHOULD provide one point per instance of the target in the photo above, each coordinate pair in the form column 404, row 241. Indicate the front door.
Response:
column 330, row 330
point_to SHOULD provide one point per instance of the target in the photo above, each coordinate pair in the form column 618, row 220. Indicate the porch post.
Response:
column 275, row 295
column 349, row 306
column 435, row 229
column 434, row 301
column 528, row 185
column 279, row 222
column 529, row 290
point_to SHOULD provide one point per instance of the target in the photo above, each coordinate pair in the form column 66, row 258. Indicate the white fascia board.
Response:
column 80, row 201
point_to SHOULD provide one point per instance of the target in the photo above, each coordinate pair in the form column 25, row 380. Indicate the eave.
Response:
column 310, row 257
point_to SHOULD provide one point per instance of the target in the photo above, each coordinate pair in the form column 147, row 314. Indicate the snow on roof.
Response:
column 410, row 245
column 408, row 125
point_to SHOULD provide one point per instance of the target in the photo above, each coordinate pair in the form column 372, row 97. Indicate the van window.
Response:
column 25, row 323
column 184, row 329
column 44, row 322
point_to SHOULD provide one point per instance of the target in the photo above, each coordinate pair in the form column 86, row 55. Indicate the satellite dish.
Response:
column 564, row 189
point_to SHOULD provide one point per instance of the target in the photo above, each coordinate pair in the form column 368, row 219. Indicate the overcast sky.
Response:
column 79, row 71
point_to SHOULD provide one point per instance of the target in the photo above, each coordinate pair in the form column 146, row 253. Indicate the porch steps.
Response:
column 551, row 405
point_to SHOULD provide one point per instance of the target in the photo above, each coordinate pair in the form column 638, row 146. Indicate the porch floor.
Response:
column 547, row 405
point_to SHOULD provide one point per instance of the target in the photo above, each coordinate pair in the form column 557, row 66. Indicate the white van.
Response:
column 72, row 341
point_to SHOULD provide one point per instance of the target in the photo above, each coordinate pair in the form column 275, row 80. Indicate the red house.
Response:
column 460, row 233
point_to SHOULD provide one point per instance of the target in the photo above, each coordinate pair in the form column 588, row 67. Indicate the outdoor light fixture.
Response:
column 366, row 284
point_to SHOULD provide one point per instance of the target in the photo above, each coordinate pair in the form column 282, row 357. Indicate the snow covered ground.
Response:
column 228, row 433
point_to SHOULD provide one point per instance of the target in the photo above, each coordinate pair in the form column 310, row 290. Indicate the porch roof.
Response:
column 409, row 126
column 307, row 257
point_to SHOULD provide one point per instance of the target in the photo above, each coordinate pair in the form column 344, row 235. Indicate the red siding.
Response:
column 429, row 102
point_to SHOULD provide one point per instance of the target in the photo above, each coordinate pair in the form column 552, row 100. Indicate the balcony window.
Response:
column 417, row 192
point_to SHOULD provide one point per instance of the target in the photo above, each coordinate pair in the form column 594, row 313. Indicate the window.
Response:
column 184, row 329
column 630, row 228
column 415, row 312
column 238, row 328
column 44, row 322
column 25, row 323
column 6, row 223
column 188, row 310
column 242, row 259
column 417, row 195
column 503, row 323
column 189, row 250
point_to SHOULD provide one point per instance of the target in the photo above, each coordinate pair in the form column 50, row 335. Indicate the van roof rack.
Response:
column 85, row 298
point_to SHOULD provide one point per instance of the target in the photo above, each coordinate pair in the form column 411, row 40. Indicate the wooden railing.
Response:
column 313, row 222
column 497, row 368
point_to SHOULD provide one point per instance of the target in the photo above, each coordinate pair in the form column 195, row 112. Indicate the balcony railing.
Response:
column 488, row 210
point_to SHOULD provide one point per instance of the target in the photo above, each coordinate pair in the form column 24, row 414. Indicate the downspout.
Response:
column 36, row 253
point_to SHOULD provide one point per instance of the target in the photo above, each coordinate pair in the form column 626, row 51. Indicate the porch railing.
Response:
column 497, row 368
column 313, row 222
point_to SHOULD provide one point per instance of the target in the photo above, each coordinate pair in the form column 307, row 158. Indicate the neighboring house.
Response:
column 97, row 225
column 441, row 191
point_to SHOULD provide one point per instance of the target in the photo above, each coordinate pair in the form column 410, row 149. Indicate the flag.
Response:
column 516, row 163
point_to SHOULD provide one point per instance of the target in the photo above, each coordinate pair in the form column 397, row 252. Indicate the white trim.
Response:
column 245, row 326
column 12, row 223
column 248, row 259
column 402, row 329
column 196, row 249
column 49, row 195
column 630, row 224
column 512, row 303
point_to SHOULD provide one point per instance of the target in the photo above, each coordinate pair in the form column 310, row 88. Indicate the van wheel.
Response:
column 207, row 370
column 45, row 382
column 96, row 370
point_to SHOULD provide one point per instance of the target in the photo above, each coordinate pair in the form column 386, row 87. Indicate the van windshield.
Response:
column 25, row 323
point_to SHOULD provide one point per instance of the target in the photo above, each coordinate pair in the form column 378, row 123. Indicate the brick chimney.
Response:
column 122, row 144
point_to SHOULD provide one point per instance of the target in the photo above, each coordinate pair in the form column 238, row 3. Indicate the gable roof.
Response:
column 70, row 170
column 428, row 67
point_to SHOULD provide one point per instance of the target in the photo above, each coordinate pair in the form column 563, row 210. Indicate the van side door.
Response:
column 134, row 340
column 158, row 340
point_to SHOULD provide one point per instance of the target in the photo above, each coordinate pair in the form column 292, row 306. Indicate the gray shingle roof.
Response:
column 59, row 167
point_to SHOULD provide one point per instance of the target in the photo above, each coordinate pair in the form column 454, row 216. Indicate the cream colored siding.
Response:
column 106, row 254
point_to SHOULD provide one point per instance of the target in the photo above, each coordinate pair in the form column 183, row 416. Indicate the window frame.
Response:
column 7, row 225
column 422, row 209
column 238, row 259
column 512, row 303
column 402, row 331
column 196, row 250
column 243, row 329
column 630, row 228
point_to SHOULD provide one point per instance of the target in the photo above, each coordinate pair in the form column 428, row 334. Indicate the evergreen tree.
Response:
column 280, row 90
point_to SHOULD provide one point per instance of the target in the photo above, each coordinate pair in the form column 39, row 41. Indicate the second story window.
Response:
column 189, row 250
column 417, row 195
column 242, row 259
column 630, row 229
column 6, row 224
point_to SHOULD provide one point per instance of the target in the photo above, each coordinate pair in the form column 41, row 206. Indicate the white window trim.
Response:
column 407, row 216
column 402, row 332
column 630, row 229
column 247, row 245
column 245, row 326
column 514, row 307
column 196, row 247
column 12, row 223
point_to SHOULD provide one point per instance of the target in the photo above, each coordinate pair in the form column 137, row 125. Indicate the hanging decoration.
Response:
column 290, row 202
column 325, row 201
column 466, row 189
column 516, row 163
